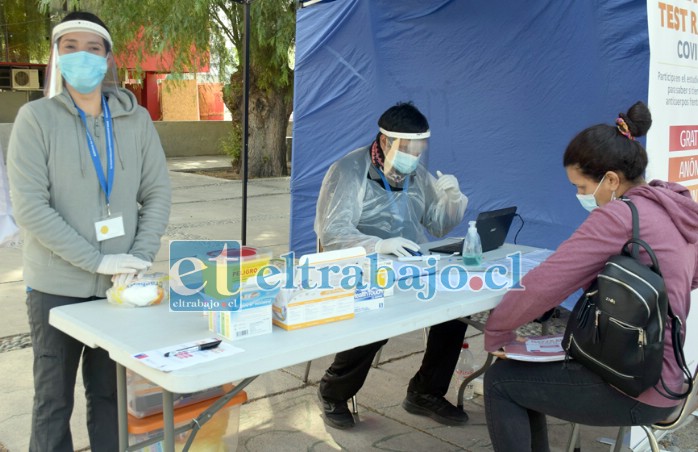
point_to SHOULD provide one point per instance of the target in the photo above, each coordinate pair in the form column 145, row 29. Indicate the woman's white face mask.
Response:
column 588, row 201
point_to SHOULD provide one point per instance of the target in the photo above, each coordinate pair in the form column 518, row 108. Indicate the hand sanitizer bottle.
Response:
column 472, row 247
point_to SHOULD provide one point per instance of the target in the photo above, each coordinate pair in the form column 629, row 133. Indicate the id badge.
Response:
column 109, row 228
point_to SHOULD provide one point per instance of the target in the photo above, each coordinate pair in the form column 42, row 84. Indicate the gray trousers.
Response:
column 56, row 361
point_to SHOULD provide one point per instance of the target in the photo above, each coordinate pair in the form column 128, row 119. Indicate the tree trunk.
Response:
column 268, row 120
column 267, row 134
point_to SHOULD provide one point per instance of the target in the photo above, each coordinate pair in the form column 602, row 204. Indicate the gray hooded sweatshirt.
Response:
column 57, row 196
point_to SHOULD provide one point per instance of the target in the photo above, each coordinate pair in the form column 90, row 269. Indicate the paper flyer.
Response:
column 536, row 349
column 179, row 359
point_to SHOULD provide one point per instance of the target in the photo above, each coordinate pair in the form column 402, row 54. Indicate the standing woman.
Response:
column 603, row 163
column 91, row 190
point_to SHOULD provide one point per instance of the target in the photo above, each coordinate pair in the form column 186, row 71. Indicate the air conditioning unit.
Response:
column 25, row 79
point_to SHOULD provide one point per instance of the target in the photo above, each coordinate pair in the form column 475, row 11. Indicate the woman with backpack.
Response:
column 603, row 163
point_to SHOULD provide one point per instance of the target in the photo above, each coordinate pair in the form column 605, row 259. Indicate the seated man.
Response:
column 381, row 197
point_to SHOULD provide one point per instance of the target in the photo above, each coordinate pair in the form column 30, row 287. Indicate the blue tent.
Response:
column 505, row 86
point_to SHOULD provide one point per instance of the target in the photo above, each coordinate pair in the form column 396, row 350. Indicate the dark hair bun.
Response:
column 638, row 119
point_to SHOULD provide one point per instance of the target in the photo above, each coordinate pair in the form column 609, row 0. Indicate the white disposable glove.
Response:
column 397, row 246
column 449, row 184
column 122, row 279
column 111, row 264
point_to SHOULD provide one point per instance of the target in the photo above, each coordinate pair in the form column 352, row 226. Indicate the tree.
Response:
column 24, row 32
column 176, row 26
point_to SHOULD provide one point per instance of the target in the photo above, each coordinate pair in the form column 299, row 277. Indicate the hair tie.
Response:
column 623, row 128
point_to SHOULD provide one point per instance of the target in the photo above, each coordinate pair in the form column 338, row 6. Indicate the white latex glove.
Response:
column 111, row 264
column 122, row 279
column 396, row 246
column 449, row 184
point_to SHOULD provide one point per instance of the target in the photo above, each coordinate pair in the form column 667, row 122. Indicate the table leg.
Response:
column 168, row 420
column 121, row 406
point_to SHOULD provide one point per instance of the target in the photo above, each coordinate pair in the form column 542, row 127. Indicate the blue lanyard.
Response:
column 393, row 205
column 108, row 182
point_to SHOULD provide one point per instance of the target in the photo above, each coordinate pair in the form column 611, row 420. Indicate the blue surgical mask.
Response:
column 84, row 71
column 405, row 163
column 589, row 201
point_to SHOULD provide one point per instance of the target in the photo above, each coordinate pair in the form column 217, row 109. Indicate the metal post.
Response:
column 245, row 120
column 121, row 406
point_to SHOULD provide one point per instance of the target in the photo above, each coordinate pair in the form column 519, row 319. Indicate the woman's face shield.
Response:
column 403, row 153
column 80, row 56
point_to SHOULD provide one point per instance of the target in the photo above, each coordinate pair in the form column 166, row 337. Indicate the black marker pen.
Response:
column 204, row 346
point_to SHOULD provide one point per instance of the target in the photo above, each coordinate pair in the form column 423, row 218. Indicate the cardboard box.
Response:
column 251, row 317
column 322, row 291
column 218, row 433
column 301, row 308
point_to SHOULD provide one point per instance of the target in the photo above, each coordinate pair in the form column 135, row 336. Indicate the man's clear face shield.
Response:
column 403, row 153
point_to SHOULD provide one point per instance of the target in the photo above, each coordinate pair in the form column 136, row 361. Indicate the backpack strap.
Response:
column 635, row 251
column 680, row 359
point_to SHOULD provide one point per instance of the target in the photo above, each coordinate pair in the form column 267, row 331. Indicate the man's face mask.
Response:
column 588, row 201
column 84, row 71
column 405, row 163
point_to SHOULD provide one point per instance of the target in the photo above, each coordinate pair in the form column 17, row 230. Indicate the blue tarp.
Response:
column 505, row 86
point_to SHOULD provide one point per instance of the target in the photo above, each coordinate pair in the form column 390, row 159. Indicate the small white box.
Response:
column 368, row 299
column 252, row 316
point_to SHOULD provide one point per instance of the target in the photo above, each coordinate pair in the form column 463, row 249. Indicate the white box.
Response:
column 368, row 300
column 323, row 289
column 251, row 317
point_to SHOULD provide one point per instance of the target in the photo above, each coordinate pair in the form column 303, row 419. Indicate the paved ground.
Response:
column 282, row 413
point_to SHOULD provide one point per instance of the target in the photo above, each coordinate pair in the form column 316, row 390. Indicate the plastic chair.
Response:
column 676, row 420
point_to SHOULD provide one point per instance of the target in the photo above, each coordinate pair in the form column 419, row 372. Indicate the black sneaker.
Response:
column 336, row 415
column 436, row 407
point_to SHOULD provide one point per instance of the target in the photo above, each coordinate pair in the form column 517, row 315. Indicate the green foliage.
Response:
column 165, row 26
column 24, row 32
column 231, row 144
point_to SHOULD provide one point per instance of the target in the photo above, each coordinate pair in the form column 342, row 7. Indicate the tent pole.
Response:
column 245, row 120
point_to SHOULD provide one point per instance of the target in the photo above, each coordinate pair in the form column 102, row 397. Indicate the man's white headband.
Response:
column 405, row 135
column 80, row 25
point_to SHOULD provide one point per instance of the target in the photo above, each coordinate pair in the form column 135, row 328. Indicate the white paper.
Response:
column 157, row 360
column 547, row 345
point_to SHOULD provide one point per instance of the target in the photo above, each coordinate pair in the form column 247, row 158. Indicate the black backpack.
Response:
column 616, row 329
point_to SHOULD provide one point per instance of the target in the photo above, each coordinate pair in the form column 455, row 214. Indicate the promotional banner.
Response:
column 672, row 142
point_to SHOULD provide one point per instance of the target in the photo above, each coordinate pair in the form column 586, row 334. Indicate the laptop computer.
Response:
column 492, row 227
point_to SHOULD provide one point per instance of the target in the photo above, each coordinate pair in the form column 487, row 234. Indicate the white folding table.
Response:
column 124, row 332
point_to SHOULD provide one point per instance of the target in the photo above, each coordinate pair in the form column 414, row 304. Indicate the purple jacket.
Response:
column 668, row 223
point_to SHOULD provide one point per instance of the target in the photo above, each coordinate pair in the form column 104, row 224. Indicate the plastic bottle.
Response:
column 464, row 368
column 472, row 247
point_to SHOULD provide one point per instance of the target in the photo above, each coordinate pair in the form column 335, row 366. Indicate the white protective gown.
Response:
column 354, row 209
